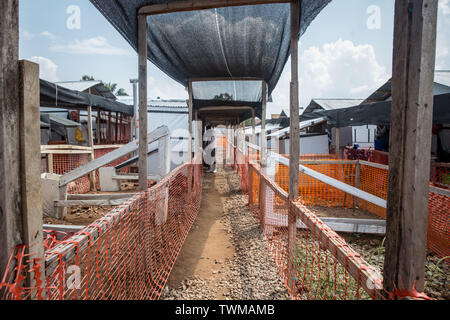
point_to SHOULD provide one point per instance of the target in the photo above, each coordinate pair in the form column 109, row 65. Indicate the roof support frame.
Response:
column 194, row 5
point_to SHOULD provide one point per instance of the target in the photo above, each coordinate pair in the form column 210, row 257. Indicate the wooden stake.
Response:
column 294, row 142
column 143, row 109
column 410, row 144
column 92, row 176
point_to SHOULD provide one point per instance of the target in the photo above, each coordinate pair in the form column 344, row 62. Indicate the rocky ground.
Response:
column 437, row 271
column 244, row 270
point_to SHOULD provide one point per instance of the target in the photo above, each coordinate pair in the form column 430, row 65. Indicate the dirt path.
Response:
column 224, row 256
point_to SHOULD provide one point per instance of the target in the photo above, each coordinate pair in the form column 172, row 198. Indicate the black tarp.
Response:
column 235, row 42
column 378, row 113
column 59, row 97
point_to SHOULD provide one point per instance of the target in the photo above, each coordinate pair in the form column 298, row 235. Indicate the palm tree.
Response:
column 121, row 92
column 87, row 78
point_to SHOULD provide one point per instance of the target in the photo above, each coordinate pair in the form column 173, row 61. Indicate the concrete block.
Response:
column 107, row 183
column 50, row 193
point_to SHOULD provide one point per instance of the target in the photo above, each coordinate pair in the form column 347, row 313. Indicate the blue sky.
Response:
column 340, row 56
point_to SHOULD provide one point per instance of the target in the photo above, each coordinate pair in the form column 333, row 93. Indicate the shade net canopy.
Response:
column 52, row 95
column 235, row 42
column 377, row 113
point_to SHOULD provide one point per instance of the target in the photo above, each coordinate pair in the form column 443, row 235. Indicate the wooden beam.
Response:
column 30, row 165
column 143, row 116
column 101, row 196
column 92, row 176
column 90, row 203
column 294, row 143
column 192, row 5
column 10, row 193
column 111, row 156
column 410, row 141
column 262, row 135
column 337, row 151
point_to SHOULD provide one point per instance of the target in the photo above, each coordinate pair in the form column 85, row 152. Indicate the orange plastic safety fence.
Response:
column 319, row 265
column 64, row 163
column 127, row 254
column 439, row 225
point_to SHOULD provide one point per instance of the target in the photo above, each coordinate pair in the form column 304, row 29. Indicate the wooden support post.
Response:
column 92, row 176
column 50, row 162
column 263, row 126
column 143, row 109
column 253, row 153
column 410, row 142
column 99, row 129
column 10, row 197
column 294, row 142
column 357, row 181
column 337, row 150
column 30, row 169
column 190, row 106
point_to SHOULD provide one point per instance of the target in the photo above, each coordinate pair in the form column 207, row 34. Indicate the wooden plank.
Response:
column 64, row 147
column 110, row 157
column 10, row 196
column 442, row 192
column 192, row 5
column 108, row 146
column 134, row 177
column 90, row 203
column 373, row 164
column 410, row 137
column 101, row 196
column 294, row 141
column 66, row 152
column 143, row 107
column 30, row 165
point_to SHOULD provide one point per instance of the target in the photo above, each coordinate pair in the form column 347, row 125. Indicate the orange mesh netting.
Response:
column 320, row 265
column 127, row 254
column 64, row 163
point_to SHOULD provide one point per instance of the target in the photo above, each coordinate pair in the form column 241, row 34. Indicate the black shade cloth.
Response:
column 378, row 113
column 235, row 42
column 56, row 96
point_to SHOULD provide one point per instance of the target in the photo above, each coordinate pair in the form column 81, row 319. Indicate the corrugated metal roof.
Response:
column 303, row 125
column 334, row 104
column 97, row 87
column 171, row 105
column 442, row 77
column 63, row 121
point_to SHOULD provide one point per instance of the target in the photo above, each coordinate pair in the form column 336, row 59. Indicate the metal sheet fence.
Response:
column 127, row 254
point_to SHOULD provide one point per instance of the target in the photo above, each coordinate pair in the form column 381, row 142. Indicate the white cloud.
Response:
column 339, row 69
column 96, row 45
column 444, row 6
column 47, row 68
column 443, row 36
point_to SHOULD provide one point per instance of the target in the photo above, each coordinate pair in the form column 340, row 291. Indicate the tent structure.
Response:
column 378, row 113
column 53, row 95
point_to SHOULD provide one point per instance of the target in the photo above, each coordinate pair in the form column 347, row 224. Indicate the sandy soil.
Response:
column 339, row 212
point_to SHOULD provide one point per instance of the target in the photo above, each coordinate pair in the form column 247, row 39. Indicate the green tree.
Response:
column 121, row 92
column 223, row 97
column 87, row 78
